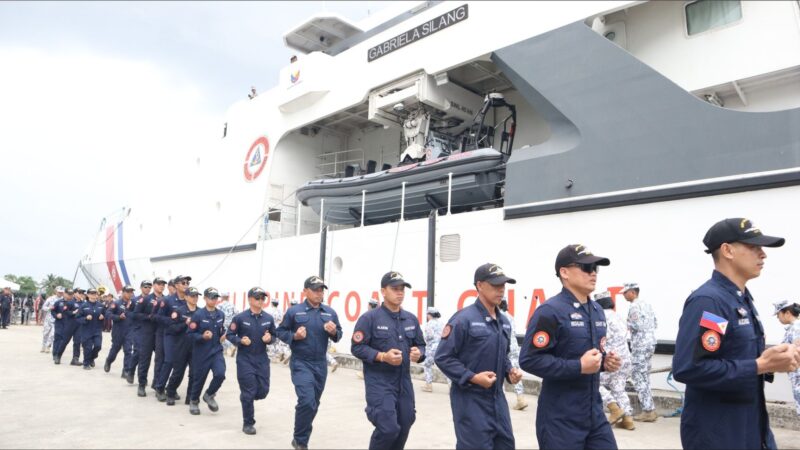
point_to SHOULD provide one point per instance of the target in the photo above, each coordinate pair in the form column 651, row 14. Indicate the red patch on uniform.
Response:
column 233, row 326
column 174, row 315
column 358, row 337
column 193, row 325
column 446, row 331
column 711, row 340
column 162, row 304
column 541, row 339
column 603, row 344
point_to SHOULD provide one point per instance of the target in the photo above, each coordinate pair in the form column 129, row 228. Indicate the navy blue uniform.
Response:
column 144, row 311
column 63, row 307
column 206, row 354
column 474, row 342
column 308, row 364
column 168, row 312
column 570, row 411
column 5, row 310
column 716, row 359
column 181, row 349
column 91, row 330
column 117, row 312
column 252, row 362
column 70, row 326
column 76, row 332
column 390, row 394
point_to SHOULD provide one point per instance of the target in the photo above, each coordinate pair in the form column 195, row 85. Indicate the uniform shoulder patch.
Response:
column 233, row 326
column 193, row 325
column 541, row 339
column 358, row 337
column 711, row 341
column 446, row 331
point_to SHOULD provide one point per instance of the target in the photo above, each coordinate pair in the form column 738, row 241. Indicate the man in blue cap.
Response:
column 63, row 312
column 181, row 345
column 720, row 350
column 251, row 331
column 144, row 310
column 473, row 353
column 117, row 311
column 90, row 317
column 565, row 346
column 207, row 332
column 307, row 327
column 388, row 339
column 167, row 311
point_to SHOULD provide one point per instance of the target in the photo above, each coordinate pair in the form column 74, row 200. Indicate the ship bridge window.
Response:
column 704, row 15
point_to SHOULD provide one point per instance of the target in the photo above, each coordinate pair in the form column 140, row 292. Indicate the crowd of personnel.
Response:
column 575, row 342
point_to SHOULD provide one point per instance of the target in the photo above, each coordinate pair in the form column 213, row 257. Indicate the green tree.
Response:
column 26, row 284
column 49, row 283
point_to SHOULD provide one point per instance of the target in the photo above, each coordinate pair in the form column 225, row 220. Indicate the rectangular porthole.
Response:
column 450, row 247
column 704, row 15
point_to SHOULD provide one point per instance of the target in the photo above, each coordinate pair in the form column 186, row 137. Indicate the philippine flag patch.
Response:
column 713, row 322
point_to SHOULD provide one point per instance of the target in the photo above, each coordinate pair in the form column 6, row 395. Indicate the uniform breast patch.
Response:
column 358, row 337
column 541, row 339
column 711, row 340
column 446, row 331
column 603, row 344
column 174, row 315
column 193, row 325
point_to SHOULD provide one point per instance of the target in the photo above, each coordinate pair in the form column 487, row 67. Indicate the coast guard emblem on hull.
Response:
column 256, row 158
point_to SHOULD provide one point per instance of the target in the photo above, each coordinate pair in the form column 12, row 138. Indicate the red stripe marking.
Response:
column 110, row 260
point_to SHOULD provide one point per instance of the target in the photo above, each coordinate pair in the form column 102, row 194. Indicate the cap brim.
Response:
column 502, row 279
column 592, row 259
column 765, row 241
column 160, row 282
column 314, row 287
column 398, row 283
column 212, row 296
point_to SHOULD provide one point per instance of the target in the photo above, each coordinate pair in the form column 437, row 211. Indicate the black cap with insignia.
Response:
column 192, row 292
column 578, row 254
column 159, row 280
column 91, row 291
column 257, row 293
column 127, row 288
column 493, row 274
column 738, row 230
column 314, row 283
column 146, row 283
column 394, row 279
column 211, row 293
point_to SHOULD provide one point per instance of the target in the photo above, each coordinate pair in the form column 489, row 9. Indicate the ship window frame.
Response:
column 713, row 28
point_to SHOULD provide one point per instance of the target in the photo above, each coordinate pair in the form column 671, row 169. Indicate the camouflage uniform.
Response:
column 230, row 311
column 48, row 331
column 277, row 347
column 793, row 337
column 513, row 353
column 612, row 384
column 432, row 334
column 642, row 324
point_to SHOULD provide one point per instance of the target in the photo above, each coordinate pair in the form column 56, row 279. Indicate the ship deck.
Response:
column 48, row 406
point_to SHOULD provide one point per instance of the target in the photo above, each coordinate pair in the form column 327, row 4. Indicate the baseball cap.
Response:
column 193, row 292
column 393, row 279
column 211, row 293
column 578, row 254
column 146, row 283
column 224, row 294
column 432, row 310
column 180, row 278
column 91, row 291
column 493, row 274
column 373, row 301
column 604, row 299
column 80, row 290
column 69, row 291
column 738, row 230
column 127, row 288
column 59, row 288
column 101, row 289
column 314, row 282
column 159, row 280
column 628, row 287
column 171, row 282
column 257, row 293
column 780, row 305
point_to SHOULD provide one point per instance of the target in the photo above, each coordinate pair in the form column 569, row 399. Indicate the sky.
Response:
column 91, row 93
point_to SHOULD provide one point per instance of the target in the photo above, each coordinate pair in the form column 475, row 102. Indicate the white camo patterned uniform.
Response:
column 793, row 337
column 612, row 384
column 642, row 324
column 277, row 347
column 433, row 334
column 230, row 311
column 48, row 331
column 513, row 352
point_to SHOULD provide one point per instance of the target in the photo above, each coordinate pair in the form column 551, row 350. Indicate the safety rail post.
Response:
column 363, row 203
column 403, row 201
column 449, row 191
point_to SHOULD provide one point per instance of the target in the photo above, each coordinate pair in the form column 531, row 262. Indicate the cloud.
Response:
column 84, row 134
